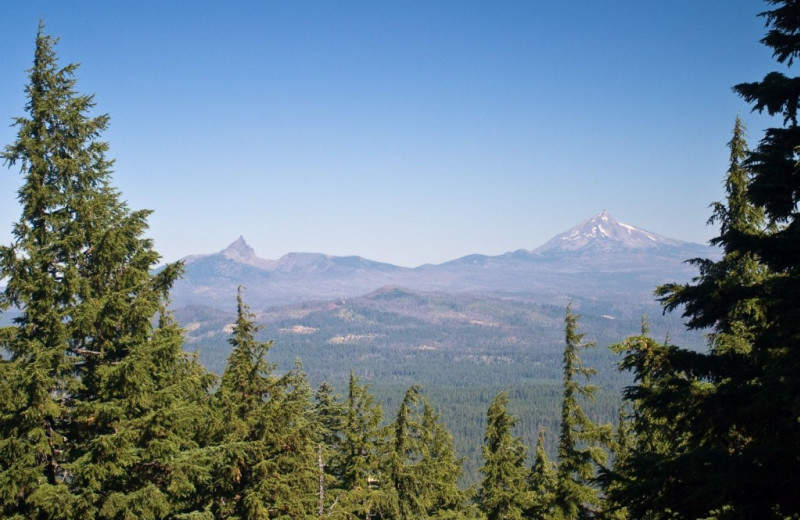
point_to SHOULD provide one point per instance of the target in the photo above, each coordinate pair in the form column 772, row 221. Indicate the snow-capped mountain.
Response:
column 603, row 232
column 600, row 256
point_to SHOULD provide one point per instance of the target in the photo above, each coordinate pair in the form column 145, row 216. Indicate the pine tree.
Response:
column 646, row 441
column 41, row 270
column 247, row 383
column 543, row 483
column 621, row 447
column 709, row 425
column 289, row 475
column 440, row 469
column 91, row 375
column 773, row 390
column 267, row 463
column 736, row 313
column 581, row 441
column 329, row 417
column 504, row 493
column 145, row 428
column 422, row 463
column 404, row 456
column 366, row 490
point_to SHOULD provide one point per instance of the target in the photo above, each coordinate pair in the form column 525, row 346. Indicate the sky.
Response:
column 406, row 132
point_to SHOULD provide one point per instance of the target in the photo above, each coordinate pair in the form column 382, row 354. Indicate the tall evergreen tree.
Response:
column 714, row 434
column 247, row 383
column 440, row 469
column 329, row 417
column 403, row 457
column 621, row 447
column 423, row 464
column 774, row 389
column 91, row 374
column 289, row 475
column 267, row 463
column 504, row 492
column 645, row 441
column 737, row 313
column 581, row 442
column 366, row 490
column 543, row 483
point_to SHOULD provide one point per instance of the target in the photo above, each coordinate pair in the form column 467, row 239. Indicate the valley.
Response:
column 463, row 330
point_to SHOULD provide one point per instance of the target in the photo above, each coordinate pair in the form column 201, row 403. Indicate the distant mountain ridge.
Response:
column 599, row 256
column 240, row 251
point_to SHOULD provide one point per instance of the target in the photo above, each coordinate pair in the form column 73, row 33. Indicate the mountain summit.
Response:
column 239, row 250
column 603, row 232
column 599, row 256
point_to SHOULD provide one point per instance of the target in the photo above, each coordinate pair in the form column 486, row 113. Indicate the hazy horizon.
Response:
column 406, row 133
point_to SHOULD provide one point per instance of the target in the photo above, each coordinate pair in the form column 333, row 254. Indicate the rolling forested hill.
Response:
column 463, row 349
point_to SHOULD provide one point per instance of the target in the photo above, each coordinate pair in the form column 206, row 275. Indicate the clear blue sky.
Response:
column 408, row 132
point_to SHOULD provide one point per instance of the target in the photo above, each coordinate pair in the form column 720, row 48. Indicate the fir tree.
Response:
column 737, row 313
column 288, row 476
column 366, row 490
column 772, row 391
column 504, row 493
column 267, row 464
column 247, row 383
column 440, row 469
column 404, row 456
column 638, row 432
column 422, row 463
column 622, row 445
column 144, row 430
column 581, row 441
column 706, row 442
column 329, row 417
column 91, row 374
column 543, row 483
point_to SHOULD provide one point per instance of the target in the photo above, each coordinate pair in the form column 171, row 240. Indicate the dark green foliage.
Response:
column 142, row 430
column 266, row 455
column 770, row 386
column 639, row 447
column 723, row 296
column 692, row 417
column 463, row 366
column 422, row 463
column 504, row 492
column 329, row 415
column 717, row 434
column 103, row 403
column 581, row 445
column 543, row 483
column 365, row 490
column 622, row 446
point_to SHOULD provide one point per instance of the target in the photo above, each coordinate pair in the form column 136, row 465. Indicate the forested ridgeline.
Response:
column 104, row 415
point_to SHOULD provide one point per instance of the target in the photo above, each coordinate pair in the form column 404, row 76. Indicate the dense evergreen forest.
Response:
column 104, row 415
column 521, row 353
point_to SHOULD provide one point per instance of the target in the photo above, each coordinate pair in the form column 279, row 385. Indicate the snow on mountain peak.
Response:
column 604, row 232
